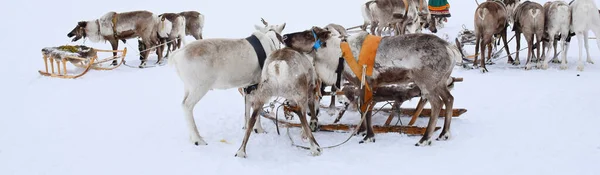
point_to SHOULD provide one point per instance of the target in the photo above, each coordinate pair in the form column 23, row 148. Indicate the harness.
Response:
column 260, row 54
column 114, row 25
column 364, row 66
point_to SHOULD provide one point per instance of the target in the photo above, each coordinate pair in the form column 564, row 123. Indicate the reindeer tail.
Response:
column 164, row 27
column 278, row 71
column 482, row 13
column 180, row 21
column 534, row 13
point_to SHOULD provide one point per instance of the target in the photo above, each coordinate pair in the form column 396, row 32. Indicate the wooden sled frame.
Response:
column 85, row 63
column 410, row 129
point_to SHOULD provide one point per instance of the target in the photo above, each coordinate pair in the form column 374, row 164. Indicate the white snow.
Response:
column 129, row 121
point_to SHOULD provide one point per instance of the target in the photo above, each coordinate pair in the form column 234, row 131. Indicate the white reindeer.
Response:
column 584, row 18
column 208, row 64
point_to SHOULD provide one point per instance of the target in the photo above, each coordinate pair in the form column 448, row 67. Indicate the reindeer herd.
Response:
column 260, row 66
column 545, row 24
column 151, row 30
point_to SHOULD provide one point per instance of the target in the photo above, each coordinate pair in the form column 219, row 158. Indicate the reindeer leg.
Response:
column 190, row 99
column 538, row 38
column 314, row 120
column 448, row 100
column 115, row 45
column 477, row 43
column 555, row 57
column 370, row 135
column 510, row 59
column 580, row 39
column 436, row 105
column 587, row 47
column 486, row 40
column 489, row 59
column 550, row 43
column 518, row 38
column 563, row 53
column 242, row 150
column 315, row 149
column 530, row 41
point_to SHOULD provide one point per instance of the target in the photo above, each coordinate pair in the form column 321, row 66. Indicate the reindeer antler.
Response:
column 264, row 22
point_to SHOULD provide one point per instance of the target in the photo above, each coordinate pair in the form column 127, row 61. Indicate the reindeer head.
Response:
column 307, row 40
column 78, row 31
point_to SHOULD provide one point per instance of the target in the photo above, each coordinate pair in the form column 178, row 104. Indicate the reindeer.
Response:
column 208, row 64
column 529, row 19
column 491, row 19
column 172, row 30
column 397, row 14
column 289, row 73
column 557, row 22
column 583, row 19
column 115, row 26
column 194, row 23
column 425, row 59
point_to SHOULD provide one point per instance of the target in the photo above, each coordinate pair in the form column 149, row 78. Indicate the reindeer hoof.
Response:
column 314, row 125
column 198, row 141
column 316, row 151
column 142, row 65
column 443, row 136
column 483, row 70
column 260, row 131
column 423, row 142
column 580, row 67
column 241, row 154
column 555, row 60
column 114, row 63
column 590, row 61
column 528, row 66
column 544, row 66
column 367, row 140
column 564, row 67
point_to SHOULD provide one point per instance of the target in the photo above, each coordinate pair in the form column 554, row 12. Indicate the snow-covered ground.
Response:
column 129, row 121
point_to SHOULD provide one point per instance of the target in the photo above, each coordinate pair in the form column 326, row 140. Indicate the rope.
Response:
column 139, row 53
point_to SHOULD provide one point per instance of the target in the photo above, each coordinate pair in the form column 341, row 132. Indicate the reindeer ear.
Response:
column 280, row 28
column 82, row 23
column 257, row 27
column 323, row 35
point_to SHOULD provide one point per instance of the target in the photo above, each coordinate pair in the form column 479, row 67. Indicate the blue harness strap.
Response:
column 317, row 43
column 258, row 49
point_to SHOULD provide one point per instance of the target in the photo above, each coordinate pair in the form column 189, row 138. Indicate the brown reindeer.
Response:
column 491, row 19
column 194, row 23
column 289, row 73
column 115, row 26
column 424, row 59
column 529, row 20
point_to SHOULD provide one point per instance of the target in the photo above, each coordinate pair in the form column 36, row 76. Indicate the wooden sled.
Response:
column 386, row 128
column 79, row 56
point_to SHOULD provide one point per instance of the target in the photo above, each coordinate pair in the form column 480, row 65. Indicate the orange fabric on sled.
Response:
column 366, row 57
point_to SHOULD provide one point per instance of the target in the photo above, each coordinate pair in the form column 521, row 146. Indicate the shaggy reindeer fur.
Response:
column 172, row 28
column 194, row 23
column 584, row 17
column 290, row 74
column 491, row 19
column 557, row 22
column 209, row 64
column 142, row 24
column 425, row 59
column 529, row 20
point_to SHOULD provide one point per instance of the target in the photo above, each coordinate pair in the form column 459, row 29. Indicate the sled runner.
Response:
column 80, row 56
